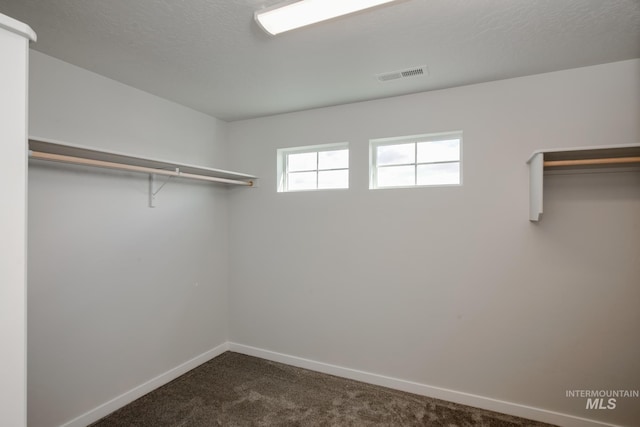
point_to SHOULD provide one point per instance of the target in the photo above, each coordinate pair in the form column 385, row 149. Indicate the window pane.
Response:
column 439, row 151
column 301, row 181
column 396, row 176
column 337, row 159
column 439, row 174
column 395, row 154
column 333, row 179
column 302, row 162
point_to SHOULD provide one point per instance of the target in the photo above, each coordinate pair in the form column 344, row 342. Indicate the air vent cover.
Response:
column 402, row 74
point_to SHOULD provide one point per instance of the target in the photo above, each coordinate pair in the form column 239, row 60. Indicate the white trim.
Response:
column 536, row 182
column 14, row 87
column 282, row 166
column 420, row 137
column 468, row 399
column 412, row 139
column 595, row 147
column 125, row 398
column 17, row 27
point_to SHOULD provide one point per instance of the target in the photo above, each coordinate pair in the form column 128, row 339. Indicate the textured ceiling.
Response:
column 210, row 55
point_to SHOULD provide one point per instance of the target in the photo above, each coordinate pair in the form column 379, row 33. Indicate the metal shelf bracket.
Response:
column 153, row 192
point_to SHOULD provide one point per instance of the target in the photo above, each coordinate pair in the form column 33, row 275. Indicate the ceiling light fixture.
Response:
column 290, row 16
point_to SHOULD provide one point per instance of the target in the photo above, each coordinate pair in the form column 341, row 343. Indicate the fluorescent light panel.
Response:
column 307, row 12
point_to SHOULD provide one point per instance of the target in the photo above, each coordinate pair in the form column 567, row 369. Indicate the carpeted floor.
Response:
column 238, row 390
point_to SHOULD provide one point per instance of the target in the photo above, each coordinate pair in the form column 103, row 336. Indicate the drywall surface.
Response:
column 118, row 293
column 453, row 287
column 14, row 48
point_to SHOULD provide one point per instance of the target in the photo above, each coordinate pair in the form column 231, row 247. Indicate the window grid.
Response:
column 286, row 175
column 414, row 164
column 375, row 145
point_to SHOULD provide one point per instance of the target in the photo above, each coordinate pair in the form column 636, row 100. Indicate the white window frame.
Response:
column 282, row 167
column 415, row 139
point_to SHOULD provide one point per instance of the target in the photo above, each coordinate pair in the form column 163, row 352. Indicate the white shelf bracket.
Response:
column 536, row 177
column 153, row 192
column 603, row 156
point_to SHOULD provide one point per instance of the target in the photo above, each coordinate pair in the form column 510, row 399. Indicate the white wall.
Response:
column 453, row 287
column 118, row 292
column 14, row 48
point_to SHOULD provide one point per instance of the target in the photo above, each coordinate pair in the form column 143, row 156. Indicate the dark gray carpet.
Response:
column 238, row 390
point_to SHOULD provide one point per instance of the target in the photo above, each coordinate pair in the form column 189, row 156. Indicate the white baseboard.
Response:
column 487, row 403
column 118, row 402
column 468, row 399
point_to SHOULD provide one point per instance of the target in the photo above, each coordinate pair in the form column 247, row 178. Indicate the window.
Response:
column 316, row 167
column 423, row 160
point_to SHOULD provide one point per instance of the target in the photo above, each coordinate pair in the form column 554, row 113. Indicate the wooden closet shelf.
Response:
column 49, row 150
column 574, row 158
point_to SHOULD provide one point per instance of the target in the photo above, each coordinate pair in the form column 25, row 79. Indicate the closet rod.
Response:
column 585, row 162
column 111, row 165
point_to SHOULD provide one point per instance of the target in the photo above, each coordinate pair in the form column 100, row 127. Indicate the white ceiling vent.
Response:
column 402, row 74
